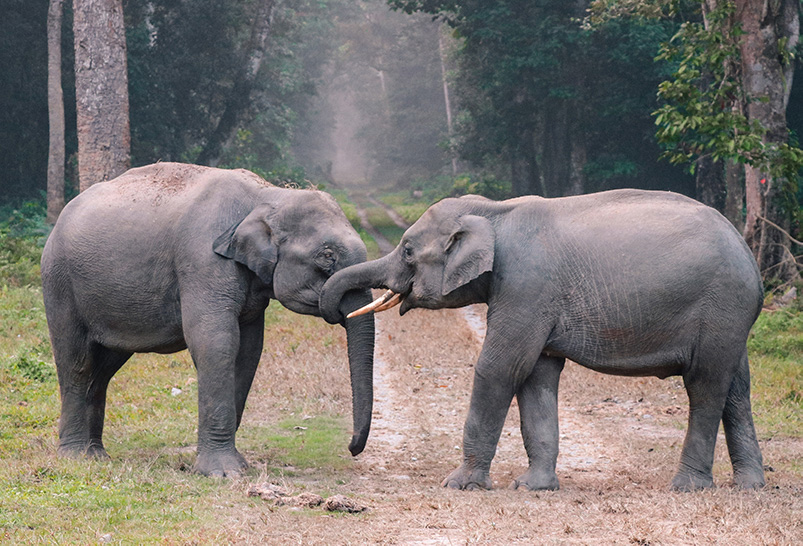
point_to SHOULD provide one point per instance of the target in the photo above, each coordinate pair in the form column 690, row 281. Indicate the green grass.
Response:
column 384, row 224
column 308, row 443
column 405, row 205
column 776, row 363
column 350, row 210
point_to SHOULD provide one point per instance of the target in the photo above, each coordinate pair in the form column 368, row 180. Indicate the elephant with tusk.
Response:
column 626, row 282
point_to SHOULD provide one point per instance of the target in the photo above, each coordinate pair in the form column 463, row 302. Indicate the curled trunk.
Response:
column 357, row 277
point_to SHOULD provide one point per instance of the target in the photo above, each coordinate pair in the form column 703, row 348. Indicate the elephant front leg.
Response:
column 251, row 341
column 538, row 407
column 490, row 400
column 214, row 350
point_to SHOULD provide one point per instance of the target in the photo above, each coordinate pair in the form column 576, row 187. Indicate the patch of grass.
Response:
column 384, row 224
column 350, row 210
column 776, row 353
column 304, row 443
column 22, row 237
column 406, row 206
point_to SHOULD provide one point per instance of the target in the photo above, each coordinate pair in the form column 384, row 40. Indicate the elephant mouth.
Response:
column 386, row 301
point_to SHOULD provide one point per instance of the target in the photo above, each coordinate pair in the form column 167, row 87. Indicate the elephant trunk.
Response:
column 360, row 276
column 360, row 336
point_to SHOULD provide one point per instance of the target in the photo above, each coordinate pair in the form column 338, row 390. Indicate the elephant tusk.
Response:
column 391, row 303
column 379, row 302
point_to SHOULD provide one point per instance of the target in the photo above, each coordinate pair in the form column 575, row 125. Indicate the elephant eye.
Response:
column 326, row 259
column 408, row 251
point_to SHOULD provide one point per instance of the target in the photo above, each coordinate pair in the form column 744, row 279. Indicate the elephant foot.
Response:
column 467, row 479
column 685, row 481
column 749, row 479
column 81, row 450
column 220, row 464
column 533, row 480
column 95, row 450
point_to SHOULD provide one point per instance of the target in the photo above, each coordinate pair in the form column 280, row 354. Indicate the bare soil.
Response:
column 620, row 444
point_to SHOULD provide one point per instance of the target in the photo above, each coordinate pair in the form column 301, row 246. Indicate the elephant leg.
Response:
column 84, row 370
column 213, row 341
column 707, row 384
column 251, row 341
column 538, row 408
column 502, row 366
column 740, row 433
column 106, row 363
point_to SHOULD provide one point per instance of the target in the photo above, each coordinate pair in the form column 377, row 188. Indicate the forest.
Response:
column 390, row 106
column 503, row 99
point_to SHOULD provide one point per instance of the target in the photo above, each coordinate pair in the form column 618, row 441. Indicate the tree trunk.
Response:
column 101, row 90
column 446, row 99
column 734, row 197
column 240, row 94
column 766, row 81
column 55, row 109
column 557, row 148
column 710, row 182
column 577, row 179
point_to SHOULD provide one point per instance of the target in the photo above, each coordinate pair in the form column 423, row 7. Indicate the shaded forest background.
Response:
column 438, row 97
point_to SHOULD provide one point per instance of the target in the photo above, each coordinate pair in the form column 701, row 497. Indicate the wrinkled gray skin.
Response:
column 623, row 282
column 171, row 256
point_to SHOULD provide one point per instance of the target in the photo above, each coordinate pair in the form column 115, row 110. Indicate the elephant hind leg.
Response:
column 538, row 408
column 84, row 370
column 707, row 384
column 740, row 433
column 106, row 363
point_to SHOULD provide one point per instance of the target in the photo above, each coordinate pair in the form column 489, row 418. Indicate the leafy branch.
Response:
column 704, row 110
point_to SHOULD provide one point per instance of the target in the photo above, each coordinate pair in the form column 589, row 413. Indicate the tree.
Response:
column 726, row 102
column 240, row 95
column 550, row 105
column 101, row 89
column 387, row 88
column 55, row 102
column 771, row 31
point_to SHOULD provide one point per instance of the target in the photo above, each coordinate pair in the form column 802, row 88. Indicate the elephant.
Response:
column 172, row 256
column 625, row 282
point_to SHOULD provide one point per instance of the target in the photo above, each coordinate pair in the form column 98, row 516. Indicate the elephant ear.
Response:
column 249, row 243
column 469, row 252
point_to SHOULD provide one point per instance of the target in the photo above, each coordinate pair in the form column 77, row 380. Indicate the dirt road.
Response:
column 620, row 444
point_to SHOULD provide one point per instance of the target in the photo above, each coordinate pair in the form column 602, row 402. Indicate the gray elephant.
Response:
column 172, row 256
column 623, row 282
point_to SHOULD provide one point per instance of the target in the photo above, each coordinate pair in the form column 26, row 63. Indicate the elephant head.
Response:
column 294, row 241
column 441, row 261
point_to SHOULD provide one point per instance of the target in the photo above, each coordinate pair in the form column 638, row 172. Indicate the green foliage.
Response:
column 30, row 365
column 704, row 110
column 22, row 235
column 350, row 210
column 406, row 204
column 533, row 86
column 23, row 95
column 486, row 185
